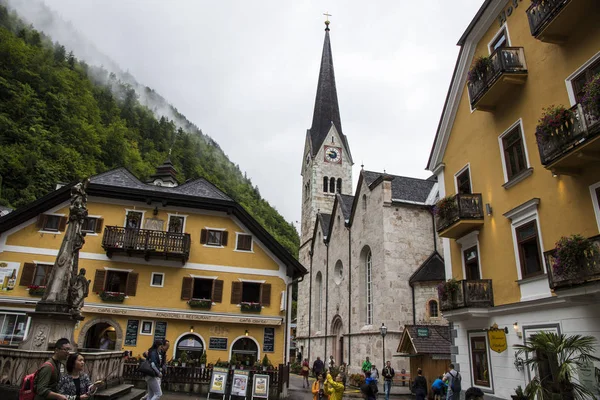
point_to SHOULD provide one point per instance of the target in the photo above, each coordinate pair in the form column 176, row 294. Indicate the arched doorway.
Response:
column 102, row 334
column 338, row 340
column 246, row 351
column 191, row 344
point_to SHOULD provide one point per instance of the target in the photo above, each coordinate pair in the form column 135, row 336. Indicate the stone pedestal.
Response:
column 49, row 323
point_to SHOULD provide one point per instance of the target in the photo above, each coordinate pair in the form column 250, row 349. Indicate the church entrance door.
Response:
column 338, row 340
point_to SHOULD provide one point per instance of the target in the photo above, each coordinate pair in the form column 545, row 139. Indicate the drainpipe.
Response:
column 310, row 254
column 414, row 307
column 326, row 296
column 433, row 224
column 286, row 349
column 349, row 293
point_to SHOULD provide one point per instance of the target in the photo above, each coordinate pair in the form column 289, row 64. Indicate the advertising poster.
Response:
column 260, row 388
column 240, row 383
column 8, row 274
column 218, row 382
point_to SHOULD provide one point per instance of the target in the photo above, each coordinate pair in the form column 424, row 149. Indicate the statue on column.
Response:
column 79, row 291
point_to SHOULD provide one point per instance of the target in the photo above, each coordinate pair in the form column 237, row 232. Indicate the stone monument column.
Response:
column 55, row 314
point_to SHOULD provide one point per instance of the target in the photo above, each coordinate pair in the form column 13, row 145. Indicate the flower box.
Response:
column 575, row 256
column 116, row 297
column 35, row 290
column 479, row 69
column 204, row 304
column 591, row 95
column 555, row 124
column 448, row 289
column 251, row 307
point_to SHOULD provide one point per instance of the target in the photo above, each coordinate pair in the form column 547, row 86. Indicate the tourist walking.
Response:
column 331, row 362
column 454, row 383
column 420, row 386
column 318, row 388
column 388, row 375
column 75, row 382
column 374, row 373
column 439, row 388
column 48, row 375
column 371, row 387
column 155, row 355
column 318, row 367
column 366, row 366
column 304, row 372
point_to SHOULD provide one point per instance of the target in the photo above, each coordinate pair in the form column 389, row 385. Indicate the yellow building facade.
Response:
column 165, row 261
column 507, row 194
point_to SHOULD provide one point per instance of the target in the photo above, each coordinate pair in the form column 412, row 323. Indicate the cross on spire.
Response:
column 327, row 15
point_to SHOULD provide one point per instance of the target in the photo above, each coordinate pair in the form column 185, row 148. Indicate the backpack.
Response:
column 455, row 386
column 27, row 391
column 374, row 388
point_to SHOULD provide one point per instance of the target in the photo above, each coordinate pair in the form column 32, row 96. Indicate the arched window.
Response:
column 369, row 287
column 433, row 309
column 318, row 301
column 332, row 185
column 325, row 184
column 339, row 185
column 364, row 201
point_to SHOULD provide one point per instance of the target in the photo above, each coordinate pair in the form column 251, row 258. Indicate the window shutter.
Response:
column 265, row 294
column 99, row 281
column 62, row 224
column 224, row 239
column 236, row 292
column 217, row 294
column 27, row 274
column 131, row 287
column 203, row 236
column 41, row 221
column 187, row 286
column 99, row 225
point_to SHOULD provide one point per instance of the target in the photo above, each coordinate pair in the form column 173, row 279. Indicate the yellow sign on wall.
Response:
column 497, row 340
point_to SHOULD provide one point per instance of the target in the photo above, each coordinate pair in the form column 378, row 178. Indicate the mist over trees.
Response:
column 62, row 119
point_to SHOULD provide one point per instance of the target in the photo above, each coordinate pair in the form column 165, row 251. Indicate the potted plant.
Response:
column 591, row 95
column 184, row 358
column 573, row 255
column 449, row 290
column 446, row 207
column 203, row 360
column 479, row 68
column 233, row 361
column 250, row 307
column 116, row 297
column 265, row 362
column 204, row 304
column 555, row 123
column 35, row 290
column 519, row 395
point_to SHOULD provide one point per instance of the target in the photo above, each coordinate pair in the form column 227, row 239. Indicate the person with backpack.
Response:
column 372, row 384
column 454, row 383
column 45, row 381
column 304, row 372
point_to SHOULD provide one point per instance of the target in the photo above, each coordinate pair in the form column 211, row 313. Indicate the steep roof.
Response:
column 324, row 220
column 437, row 341
column 345, row 202
column 413, row 190
column 432, row 269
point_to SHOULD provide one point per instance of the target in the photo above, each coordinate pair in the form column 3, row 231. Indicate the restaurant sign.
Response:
column 497, row 340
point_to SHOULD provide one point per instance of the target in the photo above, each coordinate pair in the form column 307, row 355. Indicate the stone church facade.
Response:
column 371, row 255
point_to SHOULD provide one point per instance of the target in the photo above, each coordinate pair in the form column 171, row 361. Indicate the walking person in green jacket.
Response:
column 46, row 380
column 366, row 366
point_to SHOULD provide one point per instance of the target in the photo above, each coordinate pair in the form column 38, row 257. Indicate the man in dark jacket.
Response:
column 388, row 374
column 318, row 367
column 46, row 380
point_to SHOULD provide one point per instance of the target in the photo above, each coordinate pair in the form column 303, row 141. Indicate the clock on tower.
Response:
column 333, row 154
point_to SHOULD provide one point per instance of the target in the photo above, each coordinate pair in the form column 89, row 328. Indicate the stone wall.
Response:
column 424, row 293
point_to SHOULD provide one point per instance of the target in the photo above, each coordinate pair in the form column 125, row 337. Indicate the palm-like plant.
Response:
column 563, row 355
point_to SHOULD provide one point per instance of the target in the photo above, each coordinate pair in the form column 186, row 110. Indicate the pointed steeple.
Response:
column 165, row 175
column 327, row 110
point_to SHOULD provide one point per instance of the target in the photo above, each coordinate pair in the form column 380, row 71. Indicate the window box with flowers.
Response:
column 204, row 304
column 251, row 307
column 574, row 260
column 35, row 290
column 115, row 297
column 448, row 293
column 591, row 96
column 556, row 123
column 479, row 69
column 446, row 212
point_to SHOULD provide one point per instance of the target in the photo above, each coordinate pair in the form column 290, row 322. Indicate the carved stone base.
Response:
column 46, row 328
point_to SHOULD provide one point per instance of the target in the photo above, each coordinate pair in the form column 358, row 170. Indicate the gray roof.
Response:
column 346, row 205
column 438, row 341
column 324, row 220
column 403, row 188
column 431, row 270
column 121, row 177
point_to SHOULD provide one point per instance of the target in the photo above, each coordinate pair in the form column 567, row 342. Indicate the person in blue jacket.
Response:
column 439, row 388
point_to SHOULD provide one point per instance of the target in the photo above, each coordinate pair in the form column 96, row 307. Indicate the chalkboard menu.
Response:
column 132, row 332
column 160, row 330
column 217, row 343
column 269, row 340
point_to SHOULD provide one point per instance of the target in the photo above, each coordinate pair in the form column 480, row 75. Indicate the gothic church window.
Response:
column 364, row 202
column 369, row 286
column 332, row 185
column 339, row 185
column 325, row 184
column 318, row 302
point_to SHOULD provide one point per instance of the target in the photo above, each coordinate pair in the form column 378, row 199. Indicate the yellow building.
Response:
column 514, row 194
column 181, row 262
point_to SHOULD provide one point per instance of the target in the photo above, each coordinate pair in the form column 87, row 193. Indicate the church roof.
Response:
column 121, row 177
column 431, row 270
column 327, row 110
column 345, row 202
column 324, row 220
column 413, row 190
column 437, row 340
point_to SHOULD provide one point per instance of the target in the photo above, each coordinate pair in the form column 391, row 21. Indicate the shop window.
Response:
column 479, row 361
column 12, row 328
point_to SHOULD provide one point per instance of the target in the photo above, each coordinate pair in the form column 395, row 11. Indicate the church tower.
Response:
column 327, row 162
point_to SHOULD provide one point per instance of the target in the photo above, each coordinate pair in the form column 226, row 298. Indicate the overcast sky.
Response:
column 246, row 73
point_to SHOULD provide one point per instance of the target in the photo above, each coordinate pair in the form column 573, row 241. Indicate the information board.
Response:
column 260, row 386
column 218, row 381
column 269, row 340
column 160, row 330
column 240, row 383
column 217, row 343
column 132, row 332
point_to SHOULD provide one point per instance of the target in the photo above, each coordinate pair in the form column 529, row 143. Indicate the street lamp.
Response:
column 383, row 331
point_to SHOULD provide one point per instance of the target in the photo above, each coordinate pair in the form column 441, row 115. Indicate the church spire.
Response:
column 327, row 110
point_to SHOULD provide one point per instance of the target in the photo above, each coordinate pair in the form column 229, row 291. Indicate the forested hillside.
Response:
column 61, row 120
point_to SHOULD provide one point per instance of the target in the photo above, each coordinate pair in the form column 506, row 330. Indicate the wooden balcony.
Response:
column 471, row 294
column 507, row 69
column 146, row 243
column 552, row 21
column 464, row 216
column 588, row 270
column 575, row 145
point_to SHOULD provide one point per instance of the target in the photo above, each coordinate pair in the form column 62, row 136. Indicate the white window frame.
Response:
column 504, row 27
column 466, row 242
column 530, row 330
column 162, row 281
column 484, row 335
column 169, row 215
column 569, row 79
column 27, row 323
column 237, row 235
column 214, row 245
column 90, row 233
column 460, row 171
column 523, row 174
column 369, row 288
column 133, row 210
column 595, row 202
column 142, row 328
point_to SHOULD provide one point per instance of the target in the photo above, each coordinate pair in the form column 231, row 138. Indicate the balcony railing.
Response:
column 146, row 243
column 588, row 269
column 507, row 67
column 471, row 293
column 465, row 213
column 552, row 21
column 580, row 133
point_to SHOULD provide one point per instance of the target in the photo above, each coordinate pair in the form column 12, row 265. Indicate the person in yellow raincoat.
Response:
column 336, row 388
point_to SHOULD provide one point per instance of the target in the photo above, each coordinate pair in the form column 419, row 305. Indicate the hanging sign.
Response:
column 240, row 383
column 218, row 381
column 260, row 386
column 497, row 340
